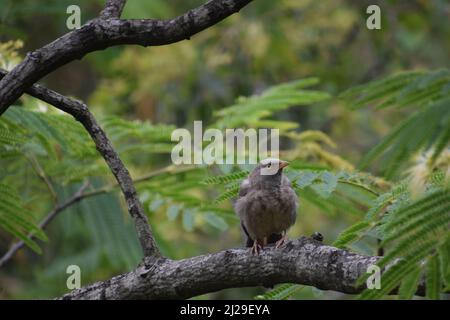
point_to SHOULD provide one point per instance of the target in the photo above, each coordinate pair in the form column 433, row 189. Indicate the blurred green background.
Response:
column 267, row 43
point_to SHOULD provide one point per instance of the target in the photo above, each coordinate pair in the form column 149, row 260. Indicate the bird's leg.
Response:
column 256, row 247
column 283, row 239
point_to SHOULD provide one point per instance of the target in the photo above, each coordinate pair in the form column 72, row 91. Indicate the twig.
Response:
column 355, row 184
column 45, row 222
column 143, row 178
column 79, row 196
column 41, row 174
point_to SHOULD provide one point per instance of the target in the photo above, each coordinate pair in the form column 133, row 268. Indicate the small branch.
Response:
column 302, row 261
column 41, row 174
column 81, row 195
column 113, row 9
column 376, row 194
column 145, row 177
column 45, row 222
column 80, row 112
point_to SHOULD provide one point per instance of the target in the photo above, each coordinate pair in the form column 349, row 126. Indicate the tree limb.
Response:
column 99, row 34
column 303, row 261
column 80, row 112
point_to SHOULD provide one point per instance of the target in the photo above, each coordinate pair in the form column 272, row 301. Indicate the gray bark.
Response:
column 303, row 261
column 113, row 9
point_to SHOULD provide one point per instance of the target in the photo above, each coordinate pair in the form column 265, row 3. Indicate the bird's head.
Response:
column 268, row 173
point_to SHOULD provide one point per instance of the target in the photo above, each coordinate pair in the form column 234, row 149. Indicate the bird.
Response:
column 266, row 205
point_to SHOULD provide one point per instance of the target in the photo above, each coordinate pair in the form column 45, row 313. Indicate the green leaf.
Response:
column 352, row 233
column 409, row 285
column 172, row 212
column 433, row 281
column 188, row 219
column 225, row 178
column 216, row 221
column 327, row 185
column 444, row 255
column 427, row 126
column 227, row 195
column 16, row 219
column 17, row 232
column 282, row 292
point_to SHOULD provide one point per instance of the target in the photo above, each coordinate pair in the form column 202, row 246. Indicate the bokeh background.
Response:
column 267, row 43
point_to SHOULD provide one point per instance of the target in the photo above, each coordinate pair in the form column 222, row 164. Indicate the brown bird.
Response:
column 267, row 205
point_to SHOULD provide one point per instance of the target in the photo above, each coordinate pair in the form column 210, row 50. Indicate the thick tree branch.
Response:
column 99, row 34
column 303, row 261
column 80, row 112
column 113, row 9
column 45, row 222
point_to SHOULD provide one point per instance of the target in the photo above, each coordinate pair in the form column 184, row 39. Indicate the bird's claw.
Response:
column 281, row 242
column 256, row 249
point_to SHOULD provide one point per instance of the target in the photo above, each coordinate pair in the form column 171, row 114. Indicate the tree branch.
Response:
column 80, row 112
column 303, row 261
column 44, row 223
column 113, row 9
column 99, row 34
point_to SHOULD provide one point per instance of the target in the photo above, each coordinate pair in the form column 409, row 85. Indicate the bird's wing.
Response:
column 244, row 188
column 285, row 181
column 290, row 195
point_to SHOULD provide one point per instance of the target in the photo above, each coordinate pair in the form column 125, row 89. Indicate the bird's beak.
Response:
column 283, row 164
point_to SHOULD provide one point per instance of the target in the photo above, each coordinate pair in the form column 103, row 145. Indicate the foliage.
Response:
column 410, row 221
column 399, row 187
column 249, row 111
column 16, row 219
column 428, row 127
column 412, row 229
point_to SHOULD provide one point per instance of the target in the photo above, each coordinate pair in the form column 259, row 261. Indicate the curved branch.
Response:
column 123, row 178
column 99, row 34
column 80, row 112
column 303, row 261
